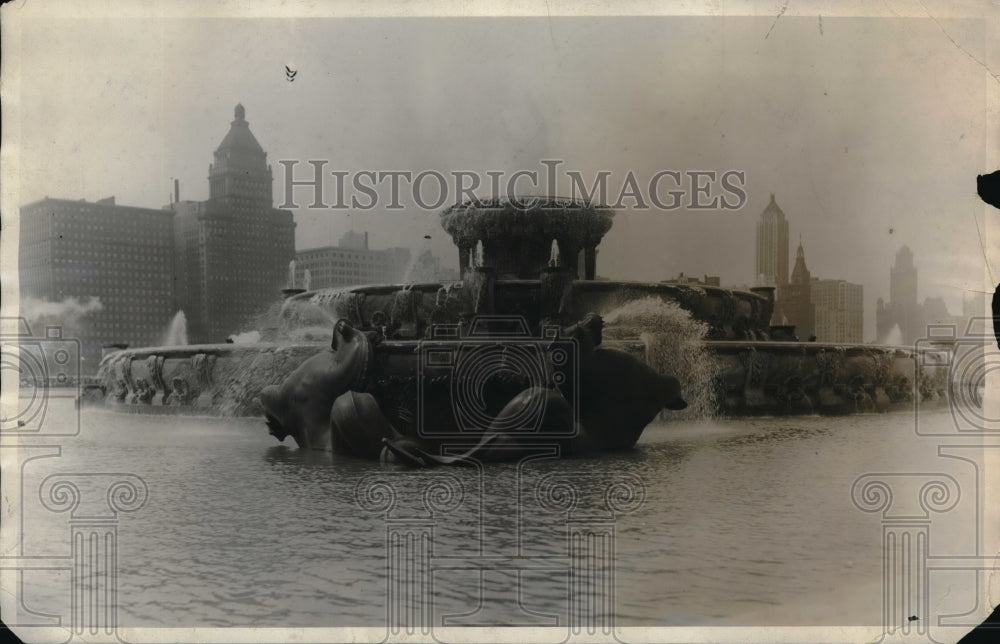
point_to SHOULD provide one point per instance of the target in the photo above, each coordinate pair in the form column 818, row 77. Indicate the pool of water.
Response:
column 729, row 522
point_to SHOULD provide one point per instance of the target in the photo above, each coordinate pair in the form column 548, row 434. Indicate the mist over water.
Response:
column 71, row 314
column 288, row 322
column 33, row 309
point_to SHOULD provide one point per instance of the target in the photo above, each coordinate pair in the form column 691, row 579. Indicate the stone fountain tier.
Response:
column 517, row 233
column 750, row 378
column 408, row 310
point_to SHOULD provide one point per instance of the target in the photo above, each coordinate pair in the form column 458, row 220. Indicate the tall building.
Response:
column 839, row 307
column 902, row 309
column 772, row 247
column 120, row 256
column 903, row 291
column 794, row 302
column 232, row 251
column 351, row 262
column 221, row 261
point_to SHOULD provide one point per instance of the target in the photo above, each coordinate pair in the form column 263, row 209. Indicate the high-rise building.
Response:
column 75, row 253
column 903, row 290
column 350, row 263
column 772, row 247
column 234, row 250
column 902, row 310
column 221, row 261
column 794, row 302
column 839, row 307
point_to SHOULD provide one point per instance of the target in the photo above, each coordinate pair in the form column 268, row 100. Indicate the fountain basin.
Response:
column 749, row 378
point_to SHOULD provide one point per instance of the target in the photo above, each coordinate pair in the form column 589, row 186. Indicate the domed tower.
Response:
column 240, row 172
column 233, row 250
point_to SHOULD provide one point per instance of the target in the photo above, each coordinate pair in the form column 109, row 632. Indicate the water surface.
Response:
column 745, row 521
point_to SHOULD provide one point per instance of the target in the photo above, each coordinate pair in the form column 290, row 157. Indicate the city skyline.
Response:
column 772, row 247
column 218, row 265
column 854, row 152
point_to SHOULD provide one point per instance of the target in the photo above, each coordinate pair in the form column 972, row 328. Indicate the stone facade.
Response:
column 350, row 263
column 839, row 306
column 75, row 253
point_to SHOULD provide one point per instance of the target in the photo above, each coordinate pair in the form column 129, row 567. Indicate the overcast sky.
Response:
column 869, row 131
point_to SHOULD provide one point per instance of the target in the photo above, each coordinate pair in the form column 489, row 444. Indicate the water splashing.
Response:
column 291, row 274
column 250, row 337
column 480, row 256
column 894, row 337
column 674, row 344
column 554, row 260
column 177, row 331
column 307, row 280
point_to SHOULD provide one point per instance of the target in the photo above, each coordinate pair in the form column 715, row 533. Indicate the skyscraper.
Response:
column 902, row 309
column 794, row 302
column 234, row 250
column 772, row 247
column 839, row 310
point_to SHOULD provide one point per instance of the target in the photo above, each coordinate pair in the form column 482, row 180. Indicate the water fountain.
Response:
column 534, row 264
column 177, row 331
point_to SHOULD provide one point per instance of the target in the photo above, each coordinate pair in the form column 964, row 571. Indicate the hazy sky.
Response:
column 870, row 131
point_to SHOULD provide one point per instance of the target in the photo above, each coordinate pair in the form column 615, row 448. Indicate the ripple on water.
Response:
column 740, row 518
